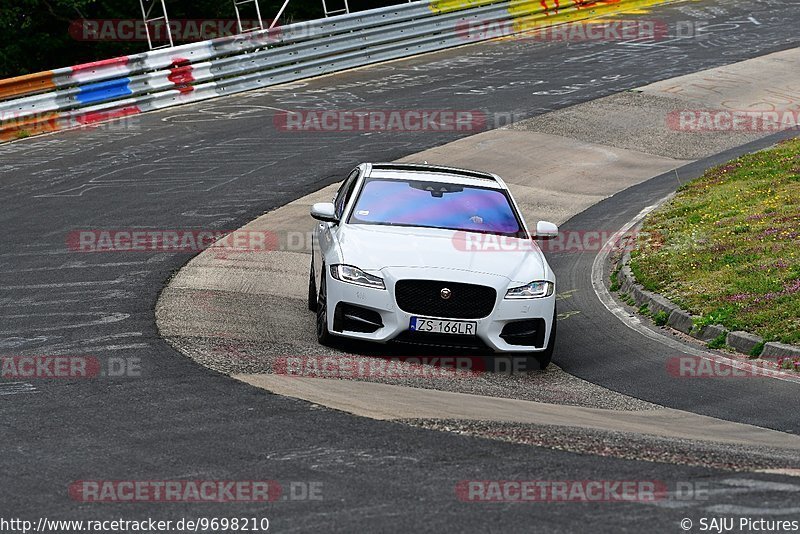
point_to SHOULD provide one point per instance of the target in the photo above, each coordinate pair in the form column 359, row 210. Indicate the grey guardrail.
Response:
column 127, row 85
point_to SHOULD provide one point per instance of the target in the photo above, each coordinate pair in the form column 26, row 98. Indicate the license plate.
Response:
column 442, row 326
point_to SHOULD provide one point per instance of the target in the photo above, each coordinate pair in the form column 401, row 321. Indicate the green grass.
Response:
column 718, row 342
column 756, row 351
column 615, row 285
column 727, row 247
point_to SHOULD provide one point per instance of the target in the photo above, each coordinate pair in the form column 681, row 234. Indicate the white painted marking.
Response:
column 736, row 486
column 761, row 485
column 16, row 388
column 106, row 319
column 106, row 348
column 789, row 472
column 14, row 342
column 28, row 303
column 85, row 265
column 65, row 284
column 69, row 346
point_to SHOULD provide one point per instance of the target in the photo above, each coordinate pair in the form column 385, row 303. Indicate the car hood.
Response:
column 373, row 248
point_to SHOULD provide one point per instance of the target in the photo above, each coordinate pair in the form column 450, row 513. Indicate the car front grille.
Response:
column 425, row 297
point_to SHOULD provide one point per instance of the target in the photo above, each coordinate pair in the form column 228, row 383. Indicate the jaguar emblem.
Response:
column 445, row 293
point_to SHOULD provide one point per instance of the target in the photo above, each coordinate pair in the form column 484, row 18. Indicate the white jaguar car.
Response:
column 431, row 255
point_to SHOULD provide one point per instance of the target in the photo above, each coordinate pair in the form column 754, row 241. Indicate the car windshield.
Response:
column 435, row 205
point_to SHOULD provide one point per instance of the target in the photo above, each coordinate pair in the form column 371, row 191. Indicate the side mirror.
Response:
column 324, row 211
column 546, row 230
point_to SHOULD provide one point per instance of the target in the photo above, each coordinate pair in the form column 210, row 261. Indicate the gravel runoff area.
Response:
column 621, row 444
column 552, row 386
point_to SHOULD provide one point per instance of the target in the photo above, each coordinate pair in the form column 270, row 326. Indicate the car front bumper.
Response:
column 395, row 323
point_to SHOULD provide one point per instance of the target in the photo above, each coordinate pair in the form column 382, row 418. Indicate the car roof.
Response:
column 434, row 173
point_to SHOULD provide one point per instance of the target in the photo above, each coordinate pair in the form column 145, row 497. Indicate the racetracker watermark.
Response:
column 360, row 367
column 175, row 491
column 197, row 524
column 566, row 242
column 152, row 240
column 508, row 491
column 576, row 32
column 181, row 30
column 721, row 367
column 124, row 119
column 354, row 367
column 30, row 367
column 726, row 120
column 377, row 120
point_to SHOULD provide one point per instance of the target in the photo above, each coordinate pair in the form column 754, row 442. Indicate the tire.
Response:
column 540, row 360
column 323, row 335
column 312, row 288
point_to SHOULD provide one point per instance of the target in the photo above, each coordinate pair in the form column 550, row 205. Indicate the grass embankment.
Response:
column 727, row 247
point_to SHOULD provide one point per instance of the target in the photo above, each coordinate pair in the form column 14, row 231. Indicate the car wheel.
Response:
column 540, row 360
column 312, row 288
column 323, row 335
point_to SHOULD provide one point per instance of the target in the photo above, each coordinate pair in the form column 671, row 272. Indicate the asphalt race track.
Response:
column 219, row 164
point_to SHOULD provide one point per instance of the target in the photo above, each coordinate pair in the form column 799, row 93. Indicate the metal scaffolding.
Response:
column 329, row 12
column 147, row 9
column 151, row 19
column 236, row 4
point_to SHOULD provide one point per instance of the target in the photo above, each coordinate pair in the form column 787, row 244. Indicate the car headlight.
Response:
column 534, row 290
column 354, row 275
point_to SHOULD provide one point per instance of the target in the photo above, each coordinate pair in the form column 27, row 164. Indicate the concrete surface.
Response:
column 395, row 402
column 638, row 119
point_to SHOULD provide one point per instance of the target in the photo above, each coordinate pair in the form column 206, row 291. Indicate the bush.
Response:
column 756, row 351
column 718, row 342
column 660, row 318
